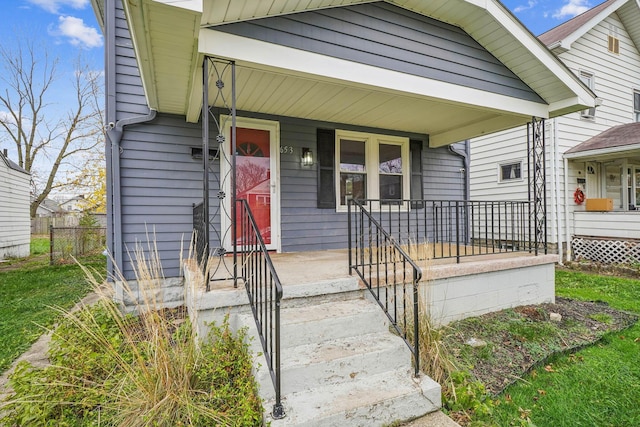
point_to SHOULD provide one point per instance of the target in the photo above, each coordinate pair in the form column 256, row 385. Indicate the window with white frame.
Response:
column 636, row 105
column 589, row 81
column 371, row 166
column 511, row 171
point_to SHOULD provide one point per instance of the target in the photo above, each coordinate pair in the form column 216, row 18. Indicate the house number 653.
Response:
column 286, row 149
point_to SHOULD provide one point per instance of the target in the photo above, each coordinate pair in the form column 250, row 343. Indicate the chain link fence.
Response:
column 67, row 243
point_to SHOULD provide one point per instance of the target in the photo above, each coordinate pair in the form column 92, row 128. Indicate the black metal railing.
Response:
column 200, row 230
column 432, row 229
column 388, row 272
column 264, row 290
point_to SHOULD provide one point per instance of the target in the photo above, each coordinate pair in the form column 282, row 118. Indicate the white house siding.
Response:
column 615, row 78
column 15, row 227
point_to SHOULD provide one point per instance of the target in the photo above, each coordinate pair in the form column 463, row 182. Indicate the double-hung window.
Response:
column 371, row 166
column 636, row 105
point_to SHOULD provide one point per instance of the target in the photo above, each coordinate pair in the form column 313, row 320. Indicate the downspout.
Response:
column 115, row 136
column 551, row 177
column 566, row 208
column 556, row 164
column 466, row 158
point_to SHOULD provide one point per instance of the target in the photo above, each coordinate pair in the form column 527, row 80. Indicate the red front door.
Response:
column 253, row 177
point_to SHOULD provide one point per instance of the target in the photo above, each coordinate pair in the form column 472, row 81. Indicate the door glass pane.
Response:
column 352, row 156
column 390, row 158
column 253, row 177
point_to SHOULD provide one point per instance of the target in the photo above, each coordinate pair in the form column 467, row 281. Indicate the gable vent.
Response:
column 614, row 44
column 613, row 40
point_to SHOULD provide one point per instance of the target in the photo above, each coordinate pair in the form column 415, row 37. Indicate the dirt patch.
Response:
column 498, row 348
column 12, row 264
column 619, row 270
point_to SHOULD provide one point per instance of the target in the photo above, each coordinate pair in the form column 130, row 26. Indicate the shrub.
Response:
column 113, row 369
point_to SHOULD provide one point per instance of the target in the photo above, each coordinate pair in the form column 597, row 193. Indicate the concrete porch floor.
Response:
column 295, row 268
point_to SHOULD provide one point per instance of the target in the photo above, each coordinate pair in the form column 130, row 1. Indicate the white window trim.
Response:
column 589, row 113
column 372, row 141
column 636, row 113
column 514, row 180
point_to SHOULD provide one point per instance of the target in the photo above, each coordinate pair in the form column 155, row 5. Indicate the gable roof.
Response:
column 561, row 38
column 11, row 164
column 171, row 38
column 614, row 140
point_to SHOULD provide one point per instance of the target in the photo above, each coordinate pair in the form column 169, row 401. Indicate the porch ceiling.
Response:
column 171, row 38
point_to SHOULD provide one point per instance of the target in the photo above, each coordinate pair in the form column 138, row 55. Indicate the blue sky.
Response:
column 542, row 15
column 66, row 26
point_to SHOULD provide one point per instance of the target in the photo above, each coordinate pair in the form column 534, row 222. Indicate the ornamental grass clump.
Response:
column 109, row 368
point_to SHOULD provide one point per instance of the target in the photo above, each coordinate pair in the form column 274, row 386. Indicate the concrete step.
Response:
column 314, row 324
column 371, row 400
column 340, row 360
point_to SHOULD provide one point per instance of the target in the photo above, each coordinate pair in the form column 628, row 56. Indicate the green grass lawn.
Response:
column 597, row 386
column 29, row 289
column 39, row 245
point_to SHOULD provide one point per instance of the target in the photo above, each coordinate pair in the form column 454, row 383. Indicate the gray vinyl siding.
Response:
column 160, row 182
column 387, row 36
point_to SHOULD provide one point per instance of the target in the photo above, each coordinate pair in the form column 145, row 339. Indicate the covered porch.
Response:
column 605, row 228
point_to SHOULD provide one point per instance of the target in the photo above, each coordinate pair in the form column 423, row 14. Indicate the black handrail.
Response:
column 380, row 259
column 264, row 290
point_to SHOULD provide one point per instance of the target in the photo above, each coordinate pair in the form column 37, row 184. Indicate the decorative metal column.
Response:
column 536, row 161
column 218, row 108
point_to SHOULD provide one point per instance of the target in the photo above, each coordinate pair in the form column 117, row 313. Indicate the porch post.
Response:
column 205, row 166
column 536, row 161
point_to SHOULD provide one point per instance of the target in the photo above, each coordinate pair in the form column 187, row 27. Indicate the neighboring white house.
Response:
column 595, row 152
column 75, row 204
column 15, row 228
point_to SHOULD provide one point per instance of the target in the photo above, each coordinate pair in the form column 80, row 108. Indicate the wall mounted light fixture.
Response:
column 307, row 157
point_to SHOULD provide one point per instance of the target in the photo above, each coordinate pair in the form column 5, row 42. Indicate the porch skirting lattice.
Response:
column 606, row 250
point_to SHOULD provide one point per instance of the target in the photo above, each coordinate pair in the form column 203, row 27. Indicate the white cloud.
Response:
column 522, row 8
column 54, row 6
column 77, row 32
column 571, row 9
column 6, row 117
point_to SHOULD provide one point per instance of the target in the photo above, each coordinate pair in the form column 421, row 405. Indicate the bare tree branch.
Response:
column 37, row 127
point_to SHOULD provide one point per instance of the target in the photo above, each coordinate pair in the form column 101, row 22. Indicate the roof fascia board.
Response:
column 602, row 151
column 276, row 57
column 568, row 41
column 194, row 102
